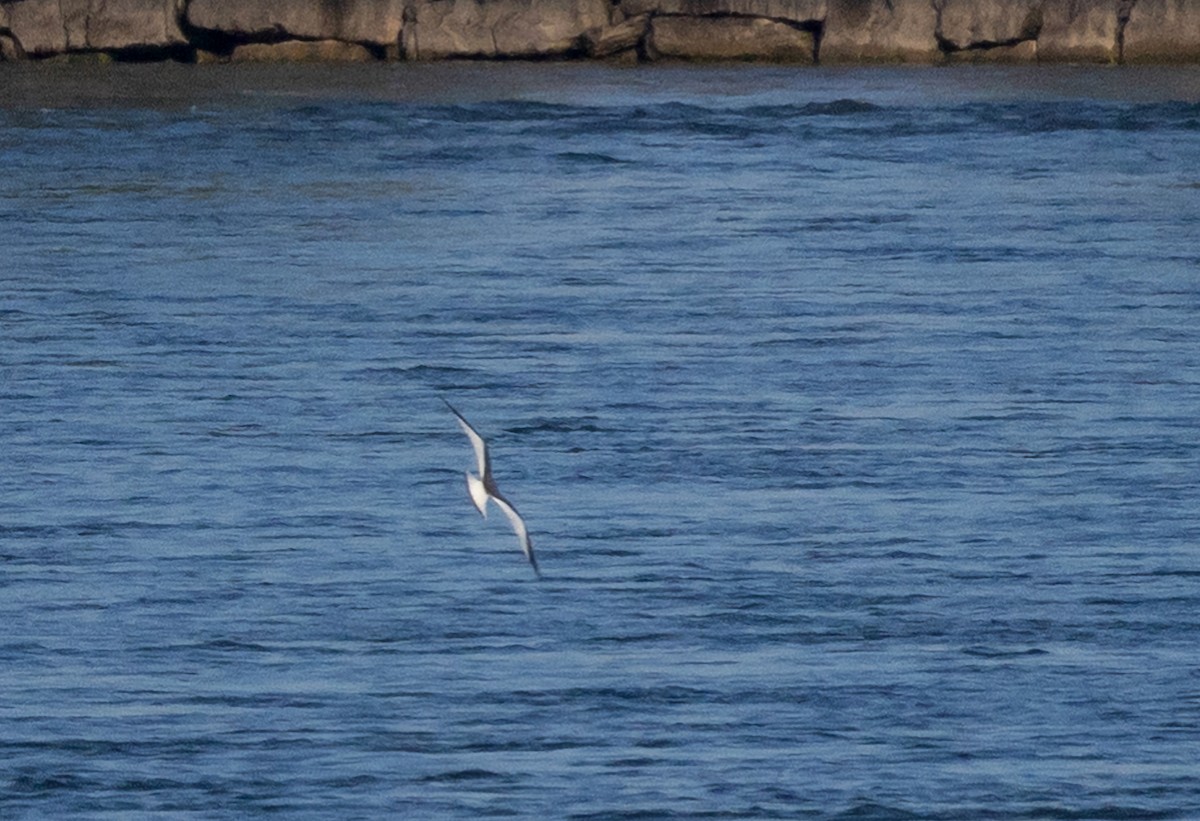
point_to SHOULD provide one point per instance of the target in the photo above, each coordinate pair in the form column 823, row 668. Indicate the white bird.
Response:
column 483, row 487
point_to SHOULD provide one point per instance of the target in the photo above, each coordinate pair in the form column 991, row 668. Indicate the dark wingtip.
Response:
column 453, row 409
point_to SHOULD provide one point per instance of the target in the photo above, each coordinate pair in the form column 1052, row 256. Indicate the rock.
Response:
column 374, row 22
column 623, row 37
column 839, row 31
column 971, row 24
column 81, row 58
column 879, row 31
column 124, row 24
column 728, row 38
column 500, row 28
column 807, row 12
column 1162, row 31
column 1079, row 31
column 10, row 49
column 36, row 26
column 40, row 28
column 302, row 51
column 205, row 57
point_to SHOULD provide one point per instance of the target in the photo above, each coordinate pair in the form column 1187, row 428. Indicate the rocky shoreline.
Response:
column 630, row 31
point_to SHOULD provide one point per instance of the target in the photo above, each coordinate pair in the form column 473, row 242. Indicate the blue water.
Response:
column 853, row 415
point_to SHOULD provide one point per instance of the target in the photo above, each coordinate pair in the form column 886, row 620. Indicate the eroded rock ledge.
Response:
column 801, row 31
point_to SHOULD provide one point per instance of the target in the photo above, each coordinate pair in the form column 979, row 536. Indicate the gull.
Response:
column 483, row 487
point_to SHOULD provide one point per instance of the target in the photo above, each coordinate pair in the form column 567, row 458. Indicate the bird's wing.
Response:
column 481, row 452
column 518, row 525
column 478, row 493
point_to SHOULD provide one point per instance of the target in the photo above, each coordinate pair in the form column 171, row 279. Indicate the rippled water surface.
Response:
column 853, row 414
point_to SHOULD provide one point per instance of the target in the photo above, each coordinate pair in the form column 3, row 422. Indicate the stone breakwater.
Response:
column 799, row 31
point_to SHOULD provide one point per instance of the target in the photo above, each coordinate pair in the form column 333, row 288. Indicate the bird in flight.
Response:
column 483, row 487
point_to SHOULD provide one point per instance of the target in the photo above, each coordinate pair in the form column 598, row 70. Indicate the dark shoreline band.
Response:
column 622, row 31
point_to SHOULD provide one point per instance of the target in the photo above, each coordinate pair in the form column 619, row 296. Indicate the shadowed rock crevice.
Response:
column 178, row 53
column 967, row 29
column 1027, row 29
column 215, row 42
